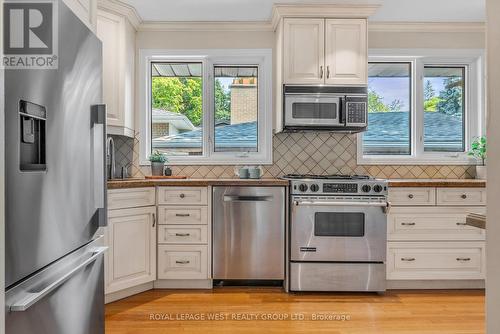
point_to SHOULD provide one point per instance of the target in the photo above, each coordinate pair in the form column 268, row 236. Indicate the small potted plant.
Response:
column 157, row 160
column 478, row 151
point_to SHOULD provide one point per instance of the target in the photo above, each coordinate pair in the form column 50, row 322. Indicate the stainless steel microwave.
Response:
column 325, row 108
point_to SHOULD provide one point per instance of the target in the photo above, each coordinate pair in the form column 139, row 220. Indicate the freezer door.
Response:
column 248, row 233
column 65, row 297
column 52, row 206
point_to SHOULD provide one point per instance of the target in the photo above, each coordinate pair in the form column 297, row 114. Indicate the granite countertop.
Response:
column 476, row 220
column 140, row 182
column 450, row 183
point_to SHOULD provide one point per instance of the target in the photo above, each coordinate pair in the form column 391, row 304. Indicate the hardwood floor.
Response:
column 396, row 312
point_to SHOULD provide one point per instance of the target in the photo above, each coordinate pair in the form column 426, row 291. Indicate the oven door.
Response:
column 302, row 110
column 338, row 230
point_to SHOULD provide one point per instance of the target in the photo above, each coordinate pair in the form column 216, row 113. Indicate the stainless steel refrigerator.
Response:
column 55, row 189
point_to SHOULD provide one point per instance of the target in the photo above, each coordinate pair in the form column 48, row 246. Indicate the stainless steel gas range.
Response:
column 337, row 233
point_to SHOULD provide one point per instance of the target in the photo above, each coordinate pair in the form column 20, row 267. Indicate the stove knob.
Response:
column 377, row 188
column 314, row 187
column 303, row 187
column 366, row 188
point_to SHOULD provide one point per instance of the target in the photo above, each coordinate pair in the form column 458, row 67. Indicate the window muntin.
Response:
column 236, row 108
column 444, row 108
column 177, row 108
column 389, row 109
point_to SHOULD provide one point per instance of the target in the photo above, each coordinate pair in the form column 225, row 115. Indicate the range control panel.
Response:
column 329, row 187
column 340, row 187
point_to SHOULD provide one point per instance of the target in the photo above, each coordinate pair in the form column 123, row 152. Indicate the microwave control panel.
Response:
column 356, row 112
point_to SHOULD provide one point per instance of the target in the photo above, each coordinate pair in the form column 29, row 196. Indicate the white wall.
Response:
column 493, row 189
column 414, row 40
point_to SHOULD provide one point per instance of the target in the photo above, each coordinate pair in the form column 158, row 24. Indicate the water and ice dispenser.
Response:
column 32, row 119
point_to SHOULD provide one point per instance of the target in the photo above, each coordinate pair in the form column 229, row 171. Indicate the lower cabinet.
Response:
column 183, row 262
column 131, row 257
column 428, row 239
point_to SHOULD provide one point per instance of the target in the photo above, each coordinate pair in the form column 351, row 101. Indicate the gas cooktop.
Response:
column 309, row 184
column 326, row 177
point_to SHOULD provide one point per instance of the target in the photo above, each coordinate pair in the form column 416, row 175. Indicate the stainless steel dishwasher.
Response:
column 248, row 233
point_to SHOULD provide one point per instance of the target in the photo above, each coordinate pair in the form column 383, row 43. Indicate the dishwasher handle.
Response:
column 250, row 198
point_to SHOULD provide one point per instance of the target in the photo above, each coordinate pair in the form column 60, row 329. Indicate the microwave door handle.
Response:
column 342, row 110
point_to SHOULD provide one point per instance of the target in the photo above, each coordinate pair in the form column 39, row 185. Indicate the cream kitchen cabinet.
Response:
column 85, row 10
column 325, row 51
column 118, row 49
column 428, row 240
column 346, row 50
column 304, row 51
column 131, row 238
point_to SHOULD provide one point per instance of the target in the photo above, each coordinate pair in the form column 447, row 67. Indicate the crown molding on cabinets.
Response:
column 206, row 26
column 120, row 8
column 459, row 27
column 321, row 10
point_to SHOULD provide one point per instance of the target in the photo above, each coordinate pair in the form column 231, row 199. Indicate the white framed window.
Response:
column 425, row 107
column 206, row 106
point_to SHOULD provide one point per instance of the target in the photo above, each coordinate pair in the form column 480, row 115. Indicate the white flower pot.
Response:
column 481, row 172
column 157, row 168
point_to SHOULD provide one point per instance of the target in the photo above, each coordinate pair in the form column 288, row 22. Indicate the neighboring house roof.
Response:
column 178, row 120
column 393, row 128
column 385, row 129
column 241, row 135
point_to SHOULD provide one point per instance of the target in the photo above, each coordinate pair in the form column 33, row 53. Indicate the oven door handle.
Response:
column 313, row 203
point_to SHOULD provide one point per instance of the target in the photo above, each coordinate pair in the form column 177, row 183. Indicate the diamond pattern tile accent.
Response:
column 316, row 153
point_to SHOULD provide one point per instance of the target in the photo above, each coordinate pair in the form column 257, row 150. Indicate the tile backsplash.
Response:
column 315, row 153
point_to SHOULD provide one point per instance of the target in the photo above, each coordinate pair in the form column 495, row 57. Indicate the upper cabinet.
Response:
column 346, row 52
column 118, row 50
column 324, row 51
column 304, row 51
column 85, row 10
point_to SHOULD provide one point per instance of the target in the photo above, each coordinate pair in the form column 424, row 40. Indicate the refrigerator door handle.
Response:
column 98, row 119
column 31, row 298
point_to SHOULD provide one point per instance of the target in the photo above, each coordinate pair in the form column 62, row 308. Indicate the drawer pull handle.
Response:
column 408, row 224
column 182, row 234
column 410, row 196
column 182, row 214
column 182, row 195
column 408, row 259
column 463, row 259
column 461, row 224
column 182, row 262
column 464, row 196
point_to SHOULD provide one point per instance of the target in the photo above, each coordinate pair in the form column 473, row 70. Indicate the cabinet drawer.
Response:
column 412, row 196
column 183, row 195
column 130, row 198
column 183, row 262
column 182, row 234
column 432, row 223
column 461, row 196
column 434, row 260
column 192, row 215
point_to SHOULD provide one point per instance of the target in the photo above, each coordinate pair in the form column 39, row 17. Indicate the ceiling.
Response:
column 260, row 10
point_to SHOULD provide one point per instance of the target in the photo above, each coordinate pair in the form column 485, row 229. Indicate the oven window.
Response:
column 314, row 110
column 339, row 224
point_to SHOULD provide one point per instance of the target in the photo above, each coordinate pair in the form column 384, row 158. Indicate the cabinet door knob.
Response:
column 461, row 224
column 182, row 262
column 182, row 195
column 463, row 258
column 408, row 224
column 410, row 196
column 321, row 72
column 328, row 71
column 464, row 196
column 408, row 259
column 154, row 219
